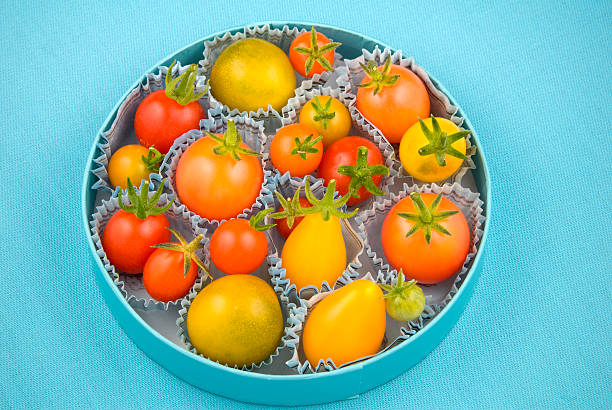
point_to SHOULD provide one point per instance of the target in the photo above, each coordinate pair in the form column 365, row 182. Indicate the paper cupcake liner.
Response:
column 354, row 245
column 395, row 331
column 121, row 132
column 362, row 129
column 183, row 335
column 369, row 226
column 131, row 285
column 439, row 102
column 252, row 135
column 279, row 37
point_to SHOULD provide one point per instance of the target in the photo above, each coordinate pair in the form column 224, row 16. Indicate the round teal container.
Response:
column 286, row 389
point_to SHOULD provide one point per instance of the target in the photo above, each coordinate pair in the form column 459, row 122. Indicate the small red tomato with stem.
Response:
column 239, row 246
column 312, row 53
column 131, row 231
column 172, row 268
column 295, row 149
column 290, row 212
column 357, row 166
column 165, row 115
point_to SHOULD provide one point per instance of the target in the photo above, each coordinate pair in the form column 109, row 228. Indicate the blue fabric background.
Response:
column 535, row 80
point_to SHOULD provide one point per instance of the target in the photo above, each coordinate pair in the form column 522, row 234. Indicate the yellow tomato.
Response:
column 251, row 74
column 328, row 116
column 346, row 325
column 132, row 161
column 422, row 153
column 314, row 252
column 236, row 320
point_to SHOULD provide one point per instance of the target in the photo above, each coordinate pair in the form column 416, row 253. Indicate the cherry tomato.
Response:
column 165, row 115
column 166, row 276
column 238, row 247
column 219, row 185
column 132, row 230
column 426, row 236
column 297, row 149
column 346, row 325
column 312, row 53
column 328, row 116
column 135, row 162
column 366, row 177
column 282, row 224
column 405, row 301
column 392, row 98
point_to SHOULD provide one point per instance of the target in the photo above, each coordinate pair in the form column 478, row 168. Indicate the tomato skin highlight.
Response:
column 237, row 248
column 281, row 224
column 160, row 120
column 395, row 108
column 346, row 325
column 299, row 60
column 127, row 240
column 344, row 152
column 217, row 186
column 164, row 278
column 284, row 142
column 426, row 263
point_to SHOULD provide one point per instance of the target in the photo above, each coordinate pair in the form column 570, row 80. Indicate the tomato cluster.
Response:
column 237, row 319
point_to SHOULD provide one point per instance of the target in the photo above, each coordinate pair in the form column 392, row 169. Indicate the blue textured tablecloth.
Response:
column 535, row 80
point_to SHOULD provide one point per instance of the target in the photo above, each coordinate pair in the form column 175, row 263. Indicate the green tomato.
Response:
column 404, row 301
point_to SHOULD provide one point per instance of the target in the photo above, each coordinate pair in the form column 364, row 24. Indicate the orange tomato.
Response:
column 297, row 149
column 392, row 108
column 218, row 186
column 426, row 261
column 346, row 325
column 328, row 116
column 312, row 53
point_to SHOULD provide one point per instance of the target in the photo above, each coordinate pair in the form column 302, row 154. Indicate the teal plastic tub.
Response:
column 290, row 389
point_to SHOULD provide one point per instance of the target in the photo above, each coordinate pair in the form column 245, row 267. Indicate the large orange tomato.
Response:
column 427, row 236
column 218, row 176
column 346, row 325
column 392, row 98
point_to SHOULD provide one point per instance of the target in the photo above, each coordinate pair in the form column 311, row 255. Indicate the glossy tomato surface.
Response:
column 283, row 155
column 299, row 60
column 164, row 277
column 332, row 129
column 237, row 248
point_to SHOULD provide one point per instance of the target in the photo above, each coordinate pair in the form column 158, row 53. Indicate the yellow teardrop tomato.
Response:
column 330, row 119
column 346, row 325
column 236, row 320
column 315, row 252
column 426, row 167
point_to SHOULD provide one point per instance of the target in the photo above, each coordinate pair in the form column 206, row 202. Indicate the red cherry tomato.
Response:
column 238, row 248
column 344, row 152
column 164, row 277
column 281, row 224
column 312, row 53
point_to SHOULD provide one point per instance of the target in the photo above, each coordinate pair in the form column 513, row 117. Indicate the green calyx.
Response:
column 427, row 218
column 256, row 221
column 302, row 148
column 322, row 112
column 328, row 205
column 440, row 143
column 230, row 143
column 188, row 249
column 361, row 174
column 378, row 79
column 315, row 53
column 400, row 289
column 291, row 208
column 142, row 206
column 152, row 160
column 181, row 89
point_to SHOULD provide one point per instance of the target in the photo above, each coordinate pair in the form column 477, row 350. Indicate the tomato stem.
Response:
column 361, row 174
column 315, row 53
column 231, row 143
column 440, row 143
column 152, row 160
column 322, row 112
column 188, row 249
column 181, row 89
column 305, row 147
column 142, row 206
column 399, row 289
column 256, row 221
column 291, row 208
column 327, row 205
column 427, row 218
column 378, row 79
